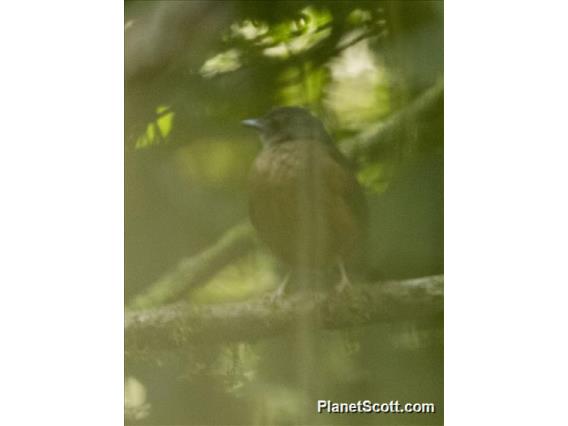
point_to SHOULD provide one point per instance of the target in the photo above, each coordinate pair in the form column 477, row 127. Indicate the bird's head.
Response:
column 284, row 124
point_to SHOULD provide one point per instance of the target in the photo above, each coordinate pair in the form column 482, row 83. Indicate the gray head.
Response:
column 284, row 124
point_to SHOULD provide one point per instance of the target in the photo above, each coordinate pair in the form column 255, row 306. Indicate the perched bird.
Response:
column 304, row 201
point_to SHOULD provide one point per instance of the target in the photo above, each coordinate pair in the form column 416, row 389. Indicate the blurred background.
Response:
column 373, row 72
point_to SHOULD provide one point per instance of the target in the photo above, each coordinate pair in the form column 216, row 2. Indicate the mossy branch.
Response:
column 180, row 325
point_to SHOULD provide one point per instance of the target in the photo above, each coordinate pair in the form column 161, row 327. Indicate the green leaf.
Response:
column 158, row 130
column 224, row 62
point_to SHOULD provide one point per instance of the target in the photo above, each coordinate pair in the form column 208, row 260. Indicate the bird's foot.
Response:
column 344, row 286
column 277, row 295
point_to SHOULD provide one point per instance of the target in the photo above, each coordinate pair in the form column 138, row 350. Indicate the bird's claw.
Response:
column 343, row 287
column 276, row 297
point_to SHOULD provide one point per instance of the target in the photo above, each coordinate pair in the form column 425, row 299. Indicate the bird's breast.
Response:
column 282, row 164
column 293, row 207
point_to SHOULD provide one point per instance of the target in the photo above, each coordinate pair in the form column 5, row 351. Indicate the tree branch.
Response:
column 196, row 270
column 177, row 326
column 239, row 240
column 375, row 137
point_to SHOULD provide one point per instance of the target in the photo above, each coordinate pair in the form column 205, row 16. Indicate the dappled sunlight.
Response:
column 358, row 92
column 222, row 63
column 207, row 343
column 252, row 276
column 135, row 405
column 158, row 130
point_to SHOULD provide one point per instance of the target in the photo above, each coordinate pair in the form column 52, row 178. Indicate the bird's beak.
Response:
column 255, row 123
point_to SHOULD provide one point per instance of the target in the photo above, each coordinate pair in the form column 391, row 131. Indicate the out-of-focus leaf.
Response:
column 316, row 18
column 248, row 30
column 358, row 93
column 165, row 120
column 224, row 62
column 303, row 87
column 158, row 130
column 374, row 177
column 358, row 17
column 293, row 37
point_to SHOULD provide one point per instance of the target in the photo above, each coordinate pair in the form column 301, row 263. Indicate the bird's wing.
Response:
column 340, row 174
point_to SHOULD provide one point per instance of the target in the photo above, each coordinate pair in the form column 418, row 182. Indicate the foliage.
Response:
column 158, row 130
column 193, row 71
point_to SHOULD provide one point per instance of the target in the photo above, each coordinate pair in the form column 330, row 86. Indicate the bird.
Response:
column 304, row 199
